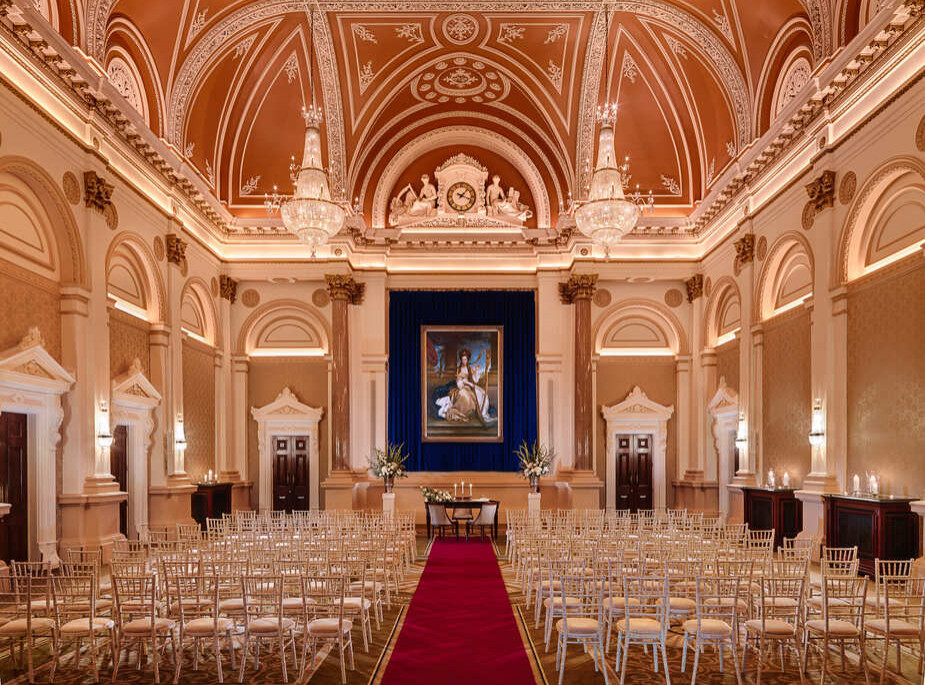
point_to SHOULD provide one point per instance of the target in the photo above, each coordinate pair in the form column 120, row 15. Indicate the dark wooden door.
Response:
column 118, row 465
column 14, row 528
column 634, row 472
column 290, row 473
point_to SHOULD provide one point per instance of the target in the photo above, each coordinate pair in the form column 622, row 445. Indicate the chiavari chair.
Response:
column 778, row 621
column 193, row 600
column 716, row 621
column 28, row 611
column 582, row 619
column 900, row 620
column 77, row 596
column 645, row 621
column 264, row 621
column 842, row 621
column 329, row 622
column 138, row 619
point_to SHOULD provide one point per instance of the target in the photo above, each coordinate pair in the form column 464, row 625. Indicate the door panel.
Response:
column 290, row 473
column 118, row 464
column 643, row 449
column 14, row 528
column 634, row 472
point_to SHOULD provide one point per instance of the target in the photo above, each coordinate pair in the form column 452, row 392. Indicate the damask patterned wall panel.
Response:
column 616, row 377
column 308, row 379
column 28, row 300
column 128, row 340
column 886, row 377
column 787, row 396
column 199, row 408
column 727, row 364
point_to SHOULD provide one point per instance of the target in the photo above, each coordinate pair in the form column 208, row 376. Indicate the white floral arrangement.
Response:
column 432, row 496
column 535, row 460
column 390, row 462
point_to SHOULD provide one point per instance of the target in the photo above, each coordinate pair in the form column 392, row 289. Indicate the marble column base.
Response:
column 89, row 521
column 697, row 496
column 168, row 506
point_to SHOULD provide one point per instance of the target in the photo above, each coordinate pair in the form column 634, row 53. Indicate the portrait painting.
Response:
column 461, row 383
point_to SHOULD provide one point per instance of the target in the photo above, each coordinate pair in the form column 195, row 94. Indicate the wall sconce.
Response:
column 741, row 433
column 817, row 427
column 180, row 440
column 104, row 436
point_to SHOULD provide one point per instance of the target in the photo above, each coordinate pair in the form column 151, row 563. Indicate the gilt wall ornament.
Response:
column 578, row 287
column 228, row 288
column 176, row 250
column 847, row 187
column 462, row 190
column 343, row 287
column 821, row 196
column 694, row 286
column 71, row 187
column 250, row 298
column 745, row 251
column 97, row 191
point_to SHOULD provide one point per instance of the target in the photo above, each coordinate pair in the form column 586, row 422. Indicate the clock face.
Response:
column 460, row 196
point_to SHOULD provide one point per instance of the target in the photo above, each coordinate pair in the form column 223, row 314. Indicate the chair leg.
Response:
column 696, row 660
column 735, row 660
column 665, row 663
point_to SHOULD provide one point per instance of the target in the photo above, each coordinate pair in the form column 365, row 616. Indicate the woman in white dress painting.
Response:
column 466, row 400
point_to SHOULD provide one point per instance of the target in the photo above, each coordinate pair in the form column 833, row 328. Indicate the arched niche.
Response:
column 198, row 317
column 284, row 328
column 133, row 279
column 723, row 317
column 39, row 230
column 640, row 328
column 886, row 222
column 786, row 279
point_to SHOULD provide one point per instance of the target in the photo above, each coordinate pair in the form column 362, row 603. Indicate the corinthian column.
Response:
column 344, row 291
column 578, row 290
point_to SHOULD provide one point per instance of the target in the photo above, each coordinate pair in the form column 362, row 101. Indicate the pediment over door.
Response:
column 637, row 407
column 29, row 366
column 286, row 405
column 725, row 400
column 134, row 389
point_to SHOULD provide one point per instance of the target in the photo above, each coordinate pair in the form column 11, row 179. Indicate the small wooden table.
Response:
column 468, row 504
column 882, row 527
column 210, row 501
column 777, row 508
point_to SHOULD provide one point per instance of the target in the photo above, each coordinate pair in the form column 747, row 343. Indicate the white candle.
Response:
column 856, row 481
column 470, row 489
column 786, row 479
column 454, row 489
column 874, row 486
column 772, row 481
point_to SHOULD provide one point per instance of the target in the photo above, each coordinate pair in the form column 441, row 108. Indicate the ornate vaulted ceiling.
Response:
column 405, row 84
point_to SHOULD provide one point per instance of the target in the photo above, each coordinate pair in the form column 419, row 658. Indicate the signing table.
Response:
column 469, row 504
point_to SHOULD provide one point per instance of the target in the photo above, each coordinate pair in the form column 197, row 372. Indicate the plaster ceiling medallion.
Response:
column 460, row 80
column 849, row 185
column 674, row 298
column 250, row 298
column 460, row 28
column 71, row 187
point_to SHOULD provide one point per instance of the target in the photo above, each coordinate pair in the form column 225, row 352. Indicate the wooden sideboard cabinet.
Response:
column 210, row 501
column 882, row 527
column 777, row 508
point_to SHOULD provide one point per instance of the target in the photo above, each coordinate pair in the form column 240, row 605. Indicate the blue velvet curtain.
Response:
column 408, row 311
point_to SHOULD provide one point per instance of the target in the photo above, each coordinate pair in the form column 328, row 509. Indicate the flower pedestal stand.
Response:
column 388, row 504
column 533, row 505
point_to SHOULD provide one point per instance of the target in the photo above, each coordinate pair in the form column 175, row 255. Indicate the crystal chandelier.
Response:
column 608, row 214
column 310, row 213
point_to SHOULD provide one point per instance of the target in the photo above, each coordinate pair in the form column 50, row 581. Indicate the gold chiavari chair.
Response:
column 778, row 621
column 264, row 621
column 28, row 611
column 138, row 620
column 842, row 621
column 329, row 623
column 76, row 595
column 716, row 622
column 901, row 620
column 193, row 600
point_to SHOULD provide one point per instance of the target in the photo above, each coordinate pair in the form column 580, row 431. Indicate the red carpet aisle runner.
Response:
column 460, row 626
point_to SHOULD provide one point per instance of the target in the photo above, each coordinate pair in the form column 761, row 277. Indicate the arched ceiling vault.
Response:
column 223, row 81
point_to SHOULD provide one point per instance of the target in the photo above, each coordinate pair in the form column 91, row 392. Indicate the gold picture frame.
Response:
column 462, row 399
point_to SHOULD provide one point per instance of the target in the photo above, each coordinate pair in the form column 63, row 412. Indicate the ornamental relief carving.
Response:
column 694, row 286
column 97, row 191
column 745, row 251
column 176, row 250
column 343, row 287
column 578, row 287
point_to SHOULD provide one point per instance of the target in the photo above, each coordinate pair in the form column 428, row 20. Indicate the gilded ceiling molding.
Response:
column 588, row 102
column 821, row 21
column 694, row 286
column 460, row 135
column 345, row 287
column 712, row 47
column 228, row 288
column 97, row 21
column 333, row 109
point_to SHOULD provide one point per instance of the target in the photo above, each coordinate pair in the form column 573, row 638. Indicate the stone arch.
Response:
column 128, row 251
column 197, row 312
column 284, row 326
column 720, row 312
column 898, row 183
column 786, row 278
column 644, row 313
column 63, row 227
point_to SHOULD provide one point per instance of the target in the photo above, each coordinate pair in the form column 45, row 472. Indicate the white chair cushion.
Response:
column 269, row 624
column 354, row 603
column 647, row 627
column 18, row 626
column 838, row 628
column 556, row 602
column 141, row 626
column 579, row 626
column 727, row 601
column 684, row 604
column 327, row 627
column 772, row 626
column 81, row 626
column 232, row 605
column 709, row 627
column 897, row 627
column 206, row 626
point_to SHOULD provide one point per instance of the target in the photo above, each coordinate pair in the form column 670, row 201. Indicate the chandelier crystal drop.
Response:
column 310, row 213
column 608, row 214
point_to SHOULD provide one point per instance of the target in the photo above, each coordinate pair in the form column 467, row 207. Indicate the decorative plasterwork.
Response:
column 745, row 250
column 228, row 288
column 460, row 135
column 694, row 286
column 285, row 416
column 822, row 191
column 176, row 249
column 638, row 414
column 32, row 383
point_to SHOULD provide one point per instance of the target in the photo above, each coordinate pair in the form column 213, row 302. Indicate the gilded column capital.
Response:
column 694, row 287
column 97, row 191
column 745, row 249
column 578, row 287
column 176, row 249
column 344, row 287
column 228, row 288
